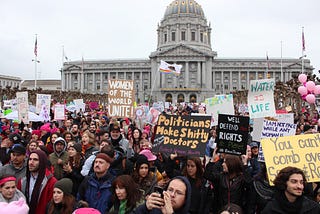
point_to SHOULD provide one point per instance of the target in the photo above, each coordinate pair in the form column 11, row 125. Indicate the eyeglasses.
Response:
column 175, row 192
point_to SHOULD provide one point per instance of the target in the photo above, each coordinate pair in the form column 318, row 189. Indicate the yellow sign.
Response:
column 301, row 151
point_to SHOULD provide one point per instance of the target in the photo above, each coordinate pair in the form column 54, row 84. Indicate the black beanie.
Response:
column 141, row 159
column 77, row 147
column 65, row 185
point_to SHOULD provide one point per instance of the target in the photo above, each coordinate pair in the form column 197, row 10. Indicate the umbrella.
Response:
column 32, row 116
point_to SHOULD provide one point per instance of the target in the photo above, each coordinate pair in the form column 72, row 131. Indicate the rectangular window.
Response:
column 201, row 37
column 165, row 37
column 98, row 86
column 106, row 76
column 75, row 77
column 183, row 35
column 173, row 36
column 193, row 36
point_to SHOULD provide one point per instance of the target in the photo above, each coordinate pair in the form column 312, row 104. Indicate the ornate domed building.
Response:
column 184, row 37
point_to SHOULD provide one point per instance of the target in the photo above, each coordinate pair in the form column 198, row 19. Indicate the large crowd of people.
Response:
column 93, row 163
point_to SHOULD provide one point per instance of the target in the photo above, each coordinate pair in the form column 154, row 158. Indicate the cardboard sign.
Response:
column 43, row 99
column 232, row 134
column 121, row 98
column 301, row 151
column 186, row 135
column 59, row 112
column 261, row 99
column 23, row 106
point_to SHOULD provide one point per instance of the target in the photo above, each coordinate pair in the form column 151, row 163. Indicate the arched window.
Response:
column 193, row 98
column 169, row 98
column 180, row 98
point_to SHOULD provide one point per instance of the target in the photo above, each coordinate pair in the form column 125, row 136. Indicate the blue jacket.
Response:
column 97, row 192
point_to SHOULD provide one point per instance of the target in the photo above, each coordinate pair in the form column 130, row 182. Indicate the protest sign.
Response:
column 277, row 129
column 302, row 151
column 120, row 98
column 232, row 134
column 261, row 99
column 220, row 104
column 23, row 106
column 59, row 112
column 43, row 99
column 186, row 135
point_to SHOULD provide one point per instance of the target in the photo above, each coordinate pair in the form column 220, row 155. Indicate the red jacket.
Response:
column 46, row 191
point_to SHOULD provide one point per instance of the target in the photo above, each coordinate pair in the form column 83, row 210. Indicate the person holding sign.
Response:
column 233, row 183
column 289, row 198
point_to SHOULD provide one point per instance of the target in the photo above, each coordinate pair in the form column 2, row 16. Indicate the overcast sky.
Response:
column 126, row 29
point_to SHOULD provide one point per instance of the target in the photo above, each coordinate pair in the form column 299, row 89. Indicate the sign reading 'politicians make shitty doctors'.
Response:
column 261, row 99
column 185, row 135
column 302, row 151
column 121, row 98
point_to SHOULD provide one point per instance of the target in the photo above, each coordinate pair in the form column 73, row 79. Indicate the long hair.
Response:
column 68, row 202
column 37, row 186
column 199, row 173
column 280, row 182
column 134, row 195
column 234, row 164
column 75, row 162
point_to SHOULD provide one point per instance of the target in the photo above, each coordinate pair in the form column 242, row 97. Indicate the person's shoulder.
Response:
column 310, row 206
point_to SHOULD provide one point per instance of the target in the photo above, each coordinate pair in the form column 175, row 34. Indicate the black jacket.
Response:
column 308, row 207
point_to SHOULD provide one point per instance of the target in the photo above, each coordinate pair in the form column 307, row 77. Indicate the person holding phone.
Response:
column 176, row 198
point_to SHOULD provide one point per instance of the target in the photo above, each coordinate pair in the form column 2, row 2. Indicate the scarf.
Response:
column 122, row 208
column 284, row 204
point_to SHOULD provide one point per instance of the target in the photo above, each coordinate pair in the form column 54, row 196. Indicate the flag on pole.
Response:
column 303, row 42
column 36, row 47
column 268, row 63
column 169, row 68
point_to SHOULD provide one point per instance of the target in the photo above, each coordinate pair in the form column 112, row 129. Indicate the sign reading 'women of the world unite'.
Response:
column 261, row 99
column 120, row 98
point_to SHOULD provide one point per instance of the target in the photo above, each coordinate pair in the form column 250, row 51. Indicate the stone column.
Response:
column 187, row 74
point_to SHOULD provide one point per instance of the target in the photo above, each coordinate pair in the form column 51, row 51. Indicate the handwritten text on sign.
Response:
column 186, row 135
column 232, row 134
column 121, row 98
column 260, row 98
column 302, row 151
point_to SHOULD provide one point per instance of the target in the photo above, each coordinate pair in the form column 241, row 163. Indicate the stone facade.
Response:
column 9, row 81
column 184, row 37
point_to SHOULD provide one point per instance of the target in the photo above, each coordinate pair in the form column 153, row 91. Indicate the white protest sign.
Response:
column 220, row 104
column 43, row 99
column 261, row 99
column 23, row 106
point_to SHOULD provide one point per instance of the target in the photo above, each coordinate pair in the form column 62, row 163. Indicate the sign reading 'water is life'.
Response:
column 261, row 99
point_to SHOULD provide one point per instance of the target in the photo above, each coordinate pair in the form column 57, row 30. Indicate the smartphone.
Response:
column 159, row 190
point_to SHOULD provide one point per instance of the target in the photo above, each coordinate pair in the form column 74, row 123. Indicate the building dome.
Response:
column 184, row 7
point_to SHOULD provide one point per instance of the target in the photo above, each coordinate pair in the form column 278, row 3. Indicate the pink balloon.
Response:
column 317, row 89
column 302, row 78
column 302, row 90
column 304, row 97
column 311, row 98
column 310, row 86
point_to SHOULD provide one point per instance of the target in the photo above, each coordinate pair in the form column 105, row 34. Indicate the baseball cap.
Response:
column 254, row 144
column 18, row 148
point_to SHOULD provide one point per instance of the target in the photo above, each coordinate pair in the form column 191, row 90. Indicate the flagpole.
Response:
column 35, row 60
column 62, row 81
column 281, row 71
column 154, row 82
column 267, row 66
column 302, row 52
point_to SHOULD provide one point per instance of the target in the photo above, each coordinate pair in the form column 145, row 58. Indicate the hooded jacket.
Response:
column 43, row 189
column 184, row 209
column 55, row 156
